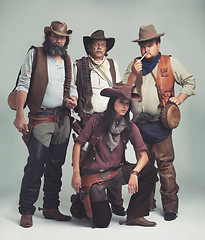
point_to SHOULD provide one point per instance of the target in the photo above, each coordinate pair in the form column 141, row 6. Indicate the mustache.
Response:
column 99, row 50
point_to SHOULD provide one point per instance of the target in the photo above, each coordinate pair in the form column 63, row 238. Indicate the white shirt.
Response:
column 98, row 83
column 56, row 76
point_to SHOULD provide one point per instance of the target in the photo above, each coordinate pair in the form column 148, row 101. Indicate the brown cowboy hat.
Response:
column 120, row 90
column 59, row 28
column 147, row 33
column 98, row 35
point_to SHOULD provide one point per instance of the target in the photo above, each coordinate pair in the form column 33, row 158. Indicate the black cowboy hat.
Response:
column 98, row 35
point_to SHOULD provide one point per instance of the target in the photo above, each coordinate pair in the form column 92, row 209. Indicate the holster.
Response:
column 26, row 135
column 37, row 119
column 87, row 182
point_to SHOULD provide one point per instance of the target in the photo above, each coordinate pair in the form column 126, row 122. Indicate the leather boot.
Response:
column 140, row 221
column 26, row 221
column 54, row 214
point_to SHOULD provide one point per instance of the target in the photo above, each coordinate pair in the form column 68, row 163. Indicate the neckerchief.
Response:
column 102, row 68
column 149, row 65
column 113, row 138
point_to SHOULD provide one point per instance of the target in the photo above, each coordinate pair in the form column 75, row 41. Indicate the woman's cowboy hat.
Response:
column 98, row 35
column 147, row 33
column 120, row 90
column 59, row 28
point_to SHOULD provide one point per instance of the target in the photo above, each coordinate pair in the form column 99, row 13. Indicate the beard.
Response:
column 54, row 49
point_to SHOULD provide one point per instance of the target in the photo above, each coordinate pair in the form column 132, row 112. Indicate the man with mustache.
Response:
column 153, row 77
column 91, row 75
column 50, row 94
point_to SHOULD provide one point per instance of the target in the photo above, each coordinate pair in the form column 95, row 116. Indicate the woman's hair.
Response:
column 109, row 116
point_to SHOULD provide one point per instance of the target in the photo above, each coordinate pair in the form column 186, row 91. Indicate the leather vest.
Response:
column 165, row 79
column 83, row 83
column 40, row 81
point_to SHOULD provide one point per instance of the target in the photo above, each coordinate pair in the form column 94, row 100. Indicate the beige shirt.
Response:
column 150, row 99
column 98, row 83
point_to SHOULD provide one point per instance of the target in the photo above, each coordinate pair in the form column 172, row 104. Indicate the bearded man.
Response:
column 50, row 94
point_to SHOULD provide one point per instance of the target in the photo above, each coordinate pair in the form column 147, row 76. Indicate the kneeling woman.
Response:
column 114, row 131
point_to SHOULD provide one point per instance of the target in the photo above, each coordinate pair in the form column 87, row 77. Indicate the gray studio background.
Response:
column 22, row 23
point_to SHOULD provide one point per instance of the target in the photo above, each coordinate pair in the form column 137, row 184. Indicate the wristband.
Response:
column 135, row 173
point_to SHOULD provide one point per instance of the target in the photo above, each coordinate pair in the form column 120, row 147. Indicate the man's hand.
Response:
column 71, row 102
column 137, row 67
column 20, row 123
column 179, row 99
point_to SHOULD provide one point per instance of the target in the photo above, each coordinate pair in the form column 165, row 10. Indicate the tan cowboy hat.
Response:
column 98, row 35
column 59, row 28
column 147, row 33
column 120, row 90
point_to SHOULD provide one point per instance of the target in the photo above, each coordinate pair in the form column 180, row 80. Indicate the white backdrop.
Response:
column 22, row 23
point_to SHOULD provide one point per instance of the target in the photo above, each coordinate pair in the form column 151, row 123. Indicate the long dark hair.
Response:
column 109, row 116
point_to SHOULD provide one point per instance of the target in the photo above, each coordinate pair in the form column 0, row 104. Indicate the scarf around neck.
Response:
column 149, row 65
column 113, row 138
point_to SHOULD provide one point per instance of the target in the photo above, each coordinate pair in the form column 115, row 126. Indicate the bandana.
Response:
column 149, row 65
column 113, row 138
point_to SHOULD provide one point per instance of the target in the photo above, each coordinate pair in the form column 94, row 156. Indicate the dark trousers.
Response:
column 139, row 202
column 47, row 161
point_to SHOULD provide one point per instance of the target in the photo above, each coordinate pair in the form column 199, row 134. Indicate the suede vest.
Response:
column 40, row 81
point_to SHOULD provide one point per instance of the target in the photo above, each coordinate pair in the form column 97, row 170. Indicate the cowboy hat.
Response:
column 59, row 28
column 147, row 33
column 98, row 35
column 120, row 90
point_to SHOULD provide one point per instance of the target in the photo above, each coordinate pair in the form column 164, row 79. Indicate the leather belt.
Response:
column 36, row 119
column 51, row 110
column 143, row 118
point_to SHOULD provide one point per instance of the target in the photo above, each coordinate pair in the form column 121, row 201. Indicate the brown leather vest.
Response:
column 40, row 81
column 165, row 80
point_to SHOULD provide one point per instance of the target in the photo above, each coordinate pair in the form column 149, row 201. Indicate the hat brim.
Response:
column 87, row 41
column 149, row 38
column 110, row 92
column 49, row 29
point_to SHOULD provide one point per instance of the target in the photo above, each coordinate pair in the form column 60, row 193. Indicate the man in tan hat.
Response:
column 50, row 97
column 153, row 76
column 92, row 74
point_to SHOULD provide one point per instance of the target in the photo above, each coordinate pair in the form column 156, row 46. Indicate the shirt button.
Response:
column 108, row 163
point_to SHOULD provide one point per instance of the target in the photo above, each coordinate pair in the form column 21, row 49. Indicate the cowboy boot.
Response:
column 54, row 214
column 138, row 221
column 26, row 221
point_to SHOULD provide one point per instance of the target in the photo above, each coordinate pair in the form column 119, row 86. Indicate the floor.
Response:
column 189, row 224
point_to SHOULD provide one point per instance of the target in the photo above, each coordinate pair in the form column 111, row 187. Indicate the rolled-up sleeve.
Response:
column 73, row 87
column 136, row 140
column 183, row 77
column 26, row 70
column 127, row 73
